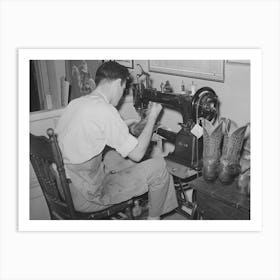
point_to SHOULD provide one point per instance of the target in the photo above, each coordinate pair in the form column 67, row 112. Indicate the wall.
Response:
column 59, row 71
column 234, row 93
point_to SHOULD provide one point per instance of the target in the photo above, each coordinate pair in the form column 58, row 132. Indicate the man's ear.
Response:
column 118, row 82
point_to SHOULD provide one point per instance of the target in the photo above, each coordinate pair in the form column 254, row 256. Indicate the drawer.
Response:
column 213, row 209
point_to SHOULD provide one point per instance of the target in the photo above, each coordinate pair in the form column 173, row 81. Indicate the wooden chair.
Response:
column 44, row 153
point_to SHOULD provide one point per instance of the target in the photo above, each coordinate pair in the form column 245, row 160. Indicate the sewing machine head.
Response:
column 204, row 104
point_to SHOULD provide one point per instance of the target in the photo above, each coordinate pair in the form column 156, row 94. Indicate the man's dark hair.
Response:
column 111, row 70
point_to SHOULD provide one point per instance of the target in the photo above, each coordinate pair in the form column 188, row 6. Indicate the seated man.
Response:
column 91, row 122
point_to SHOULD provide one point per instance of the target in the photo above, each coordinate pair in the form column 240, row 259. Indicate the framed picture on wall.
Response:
column 212, row 70
column 244, row 61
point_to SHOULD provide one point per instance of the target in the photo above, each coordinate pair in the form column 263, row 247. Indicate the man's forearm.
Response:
column 145, row 137
column 143, row 140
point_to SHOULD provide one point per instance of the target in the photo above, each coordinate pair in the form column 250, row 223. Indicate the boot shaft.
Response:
column 229, row 166
column 212, row 139
column 232, row 144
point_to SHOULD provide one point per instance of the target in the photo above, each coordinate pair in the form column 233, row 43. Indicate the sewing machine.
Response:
column 188, row 148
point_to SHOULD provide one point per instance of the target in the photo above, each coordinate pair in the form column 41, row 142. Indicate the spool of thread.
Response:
column 193, row 88
column 183, row 91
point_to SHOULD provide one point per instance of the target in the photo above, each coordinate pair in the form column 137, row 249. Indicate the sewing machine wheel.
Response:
column 205, row 104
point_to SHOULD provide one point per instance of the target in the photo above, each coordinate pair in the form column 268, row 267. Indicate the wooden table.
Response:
column 216, row 201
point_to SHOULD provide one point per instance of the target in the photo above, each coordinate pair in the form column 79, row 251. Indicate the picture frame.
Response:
column 243, row 61
column 212, row 70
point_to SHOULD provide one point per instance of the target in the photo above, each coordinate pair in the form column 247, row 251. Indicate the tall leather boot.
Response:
column 212, row 139
column 229, row 162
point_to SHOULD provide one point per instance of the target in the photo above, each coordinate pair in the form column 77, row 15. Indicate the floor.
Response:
column 175, row 216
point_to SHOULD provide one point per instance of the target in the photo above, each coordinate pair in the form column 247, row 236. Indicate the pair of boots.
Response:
column 221, row 151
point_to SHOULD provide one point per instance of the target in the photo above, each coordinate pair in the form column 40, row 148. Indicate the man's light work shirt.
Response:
column 87, row 125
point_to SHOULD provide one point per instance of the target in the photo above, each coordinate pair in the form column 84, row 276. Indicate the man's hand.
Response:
column 155, row 110
column 145, row 136
column 136, row 128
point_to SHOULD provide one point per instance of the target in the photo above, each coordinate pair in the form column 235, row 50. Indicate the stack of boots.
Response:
column 229, row 162
column 212, row 139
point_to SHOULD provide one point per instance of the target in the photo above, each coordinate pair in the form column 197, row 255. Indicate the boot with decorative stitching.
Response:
column 212, row 139
column 229, row 166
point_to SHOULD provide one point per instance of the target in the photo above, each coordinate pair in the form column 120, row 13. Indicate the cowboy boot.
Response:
column 212, row 139
column 229, row 162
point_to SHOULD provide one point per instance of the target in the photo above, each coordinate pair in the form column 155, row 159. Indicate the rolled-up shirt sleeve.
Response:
column 117, row 133
column 128, row 146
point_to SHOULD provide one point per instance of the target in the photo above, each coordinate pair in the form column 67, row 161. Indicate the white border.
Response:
column 24, row 55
